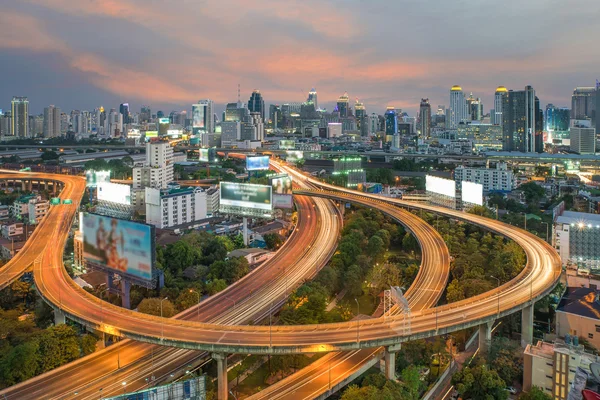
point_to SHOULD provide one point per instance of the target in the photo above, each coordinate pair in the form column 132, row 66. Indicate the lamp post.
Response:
column 231, row 300
column 271, row 325
column 357, row 319
column 498, row 288
column 547, row 231
column 124, row 386
column 198, row 306
column 162, row 324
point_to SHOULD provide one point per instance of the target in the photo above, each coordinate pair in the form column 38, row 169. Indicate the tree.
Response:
column 88, row 344
column 49, row 155
column 273, row 241
column 409, row 243
column 411, row 378
column 20, row 363
column 215, row 286
column 533, row 192
column 187, row 298
column 58, row 345
column 479, row 382
column 152, row 306
column 535, row 394
column 505, row 357
column 383, row 276
column 179, row 256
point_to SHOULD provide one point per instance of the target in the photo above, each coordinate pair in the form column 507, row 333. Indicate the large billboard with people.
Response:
column 294, row 156
column 287, row 144
column 117, row 245
column 246, row 195
column 282, row 191
column 92, row 177
column 257, row 163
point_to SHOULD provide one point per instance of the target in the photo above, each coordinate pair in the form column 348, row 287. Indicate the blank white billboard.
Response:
column 114, row 192
column 472, row 193
column 441, row 186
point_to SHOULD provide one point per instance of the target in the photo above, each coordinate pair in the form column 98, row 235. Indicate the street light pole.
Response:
column 498, row 288
column 233, row 301
column 357, row 320
column 198, row 306
column 271, row 325
column 162, row 324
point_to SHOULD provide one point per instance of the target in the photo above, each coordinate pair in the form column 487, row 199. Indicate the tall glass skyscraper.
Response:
column 519, row 120
column 391, row 121
column 20, row 116
column 257, row 103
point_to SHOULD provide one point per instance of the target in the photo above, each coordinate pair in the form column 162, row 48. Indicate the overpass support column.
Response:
column 485, row 337
column 59, row 317
column 221, row 375
column 527, row 326
column 389, row 359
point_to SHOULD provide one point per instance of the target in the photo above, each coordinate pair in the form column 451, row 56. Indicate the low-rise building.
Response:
column 37, row 210
column 78, row 260
column 212, row 201
column 499, row 179
column 4, row 213
column 12, row 230
column 578, row 314
column 169, row 208
column 552, row 366
column 30, row 207
column 577, row 238
column 254, row 256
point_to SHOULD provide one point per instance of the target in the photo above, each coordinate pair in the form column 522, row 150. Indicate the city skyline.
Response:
column 154, row 55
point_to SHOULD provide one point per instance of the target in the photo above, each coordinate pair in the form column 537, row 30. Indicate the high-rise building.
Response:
column 359, row 113
column 425, row 118
column 373, row 124
column 312, row 98
column 230, row 133
column 6, row 124
column 458, row 111
column 256, row 104
column 583, row 140
column 475, row 108
column 583, row 103
column 235, row 112
column 145, row 114
column 391, row 121
column 52, row 126
column 498, row 102
column 596, row 119
column 342, row 105
column 20, row 116
column 114, row 124
column 202, row 117
column 557, row 118
column 252, row 128
column 518, row 120
column 36, row 125
column 65, row 122
column 158, row 169
column 124, row 111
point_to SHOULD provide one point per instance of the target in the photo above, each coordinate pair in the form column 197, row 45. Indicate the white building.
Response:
column 173, row 207
column 11, row 230
column 577, row 238
column 31, row 207
column 583, row 140
column 51, row 122
column 157, row 171
column 459, row 110
column 334, row 129
column 498, row 96
column 231, row 132
column 499, row 179
column 37, row 210
column 212, row 201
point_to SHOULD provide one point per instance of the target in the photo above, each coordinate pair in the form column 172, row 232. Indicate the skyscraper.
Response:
column 257, row 104
column 145, row 114
column 518, row 116
column 51, row 122
column 342, row 105
column 475, row 108
column 582, row 103
column 497, row 117
column 124, row 110
column 312, row 98
column 359, row 113
column 458, row 111
column 557, row 118
column 202, row 117
column 425, row 118
column 20, row 116
column 391, row 121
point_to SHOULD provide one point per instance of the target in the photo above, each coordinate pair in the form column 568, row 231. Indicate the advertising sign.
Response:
column 293, row 156
column 257, row 163
column 246, row 195
column 287, row 144
column 282, row 191
column 198, row 116
column 92, row 177
column 151, row 134
column 204, row 156
column 445, row 187
column 472, row 193
column 114, row 192
column 117, row 245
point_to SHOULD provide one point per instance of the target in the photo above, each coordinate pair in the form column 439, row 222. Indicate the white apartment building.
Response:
column 552, row 367
column 11, row 230
column 583, row 140
column 31, row 207
column 499, row 179
column 173, row 207
column 37, row 210
column 157, row 171
column 212, row 201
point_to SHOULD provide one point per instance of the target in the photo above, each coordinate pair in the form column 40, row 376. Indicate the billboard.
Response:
column 92, row 177
column 118, row 245
column 151, row 134
column 257, row 163
column 198, row 116
column 282, row 191
column 204, row 156
column 287, row 144
column 445, row 187
column 472, row 193
column 114, row 192
column 293, row 156
column 246, row 195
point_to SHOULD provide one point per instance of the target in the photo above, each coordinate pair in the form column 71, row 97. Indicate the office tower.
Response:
column 582, row 103
column 539, row 127
column 114, row 124
column 19, row 112
column 275, row 116
column 557, row 118
column 518, row 120
column 475, row 108
column 179, row 117
column 52, row 122
column 458, row 111
column 230, row 133
column 252, row 128
column 373, row 124
column 6, row 124
column 145, row 114
column 596, row 118
column 342, row 105
column 100, row 125
column 160, row 114
column 36, row 125
column 359, row 113
column 202, row 117
column 257, row 104
column 235, row 112
column 124, row 111
column 583, row 140
column 391, row 121
column 425, row 118
column 312, row 98
column 500, row 92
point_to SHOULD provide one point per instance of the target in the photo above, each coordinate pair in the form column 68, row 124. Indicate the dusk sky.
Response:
column 168, row 54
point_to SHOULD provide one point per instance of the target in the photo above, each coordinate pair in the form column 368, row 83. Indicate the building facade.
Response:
column 458, row 111
column 577, row 238
column 19, row 116
column 425, row 118
column 174, row 207
column 583, row 140
column 499, row 179
column 518, row 115
column 52, row 126
column 501, row 91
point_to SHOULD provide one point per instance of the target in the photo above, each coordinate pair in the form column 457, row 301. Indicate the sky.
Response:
column 80, row 54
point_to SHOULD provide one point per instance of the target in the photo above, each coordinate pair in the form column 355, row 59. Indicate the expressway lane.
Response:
column 327, row 373
column 297, row 260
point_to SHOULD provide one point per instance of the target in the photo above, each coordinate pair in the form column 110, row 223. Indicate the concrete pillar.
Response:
column 390, row 364
column 245, row 231
column 23, row 187
column 527, row 326
column 485, row 337
column 222, row 384
column 125, row 291
column 59, row 317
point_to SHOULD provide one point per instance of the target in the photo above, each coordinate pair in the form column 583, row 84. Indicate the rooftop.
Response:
column 579, row 218
column 582, row 302
column 245, row 252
